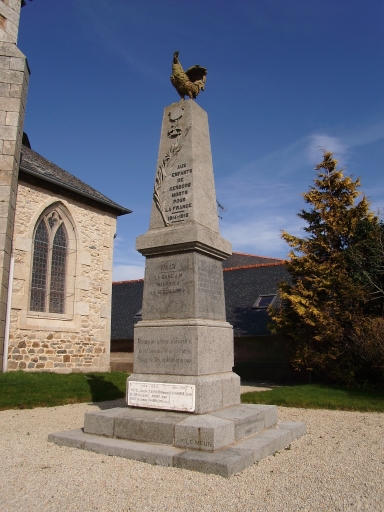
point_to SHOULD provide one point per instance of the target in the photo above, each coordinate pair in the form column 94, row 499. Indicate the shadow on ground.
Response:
column 111, row 404
column 103, row 390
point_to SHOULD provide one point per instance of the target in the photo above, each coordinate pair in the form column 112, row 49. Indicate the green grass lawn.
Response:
column 21, row 390
column 318, row 396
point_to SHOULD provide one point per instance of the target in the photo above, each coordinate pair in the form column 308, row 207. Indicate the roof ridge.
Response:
column 256, row 265
column 257, row 256
column 129, row 281
column 242, row 267
column 67, row 172
column 37, row 165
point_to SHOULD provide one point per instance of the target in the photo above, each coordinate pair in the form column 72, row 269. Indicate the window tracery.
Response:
column 49, row 265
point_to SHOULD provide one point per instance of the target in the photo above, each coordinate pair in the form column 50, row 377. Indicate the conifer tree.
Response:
column 328, row 291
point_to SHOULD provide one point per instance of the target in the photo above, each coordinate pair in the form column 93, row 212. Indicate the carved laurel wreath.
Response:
column 161, row 172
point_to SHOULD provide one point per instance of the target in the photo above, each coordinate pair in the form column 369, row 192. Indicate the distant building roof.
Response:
column 242, row 285
column 127, row 298
column 34, row 164
column 240, row 259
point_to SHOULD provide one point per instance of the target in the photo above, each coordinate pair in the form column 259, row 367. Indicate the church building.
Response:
column 56, row 242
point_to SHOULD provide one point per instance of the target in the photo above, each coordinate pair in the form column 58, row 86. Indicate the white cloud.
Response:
column 366, row 134
column 320, row 142
column 127, row 272
column 119, row 240
column 127, row 264
column 377, row 206
column 263, row 197
column 262, row 193
column 254, row 237
column 287, row 160
column 294, row 160
column 262, row 237
column 240, row 193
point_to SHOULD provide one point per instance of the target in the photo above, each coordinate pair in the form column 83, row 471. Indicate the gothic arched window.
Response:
column 49, row 265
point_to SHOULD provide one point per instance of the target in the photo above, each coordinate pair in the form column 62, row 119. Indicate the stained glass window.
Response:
column 57, row 289
column 39, row 269
column 49, row 265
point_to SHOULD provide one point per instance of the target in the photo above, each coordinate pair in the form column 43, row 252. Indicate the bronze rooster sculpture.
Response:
column 190, row 82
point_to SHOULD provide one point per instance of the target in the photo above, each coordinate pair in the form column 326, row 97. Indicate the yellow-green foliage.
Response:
column 325, row 296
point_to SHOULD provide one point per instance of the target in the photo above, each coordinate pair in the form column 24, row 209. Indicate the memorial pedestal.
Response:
column 184, row 400
column 183, row 337
column 222, row 443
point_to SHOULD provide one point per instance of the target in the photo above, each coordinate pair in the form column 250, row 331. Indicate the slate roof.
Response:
column 127, row 298
column 34, row 164
column 242, row 287
column 240, row 259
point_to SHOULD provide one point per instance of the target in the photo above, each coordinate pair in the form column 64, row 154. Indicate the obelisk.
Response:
column 183, row 398
column 183, row 338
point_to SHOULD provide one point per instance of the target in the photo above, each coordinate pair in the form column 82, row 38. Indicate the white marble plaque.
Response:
column 157, row 395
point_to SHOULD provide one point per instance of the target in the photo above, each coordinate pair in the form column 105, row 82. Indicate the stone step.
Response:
column 206, row 432
column 225, row 462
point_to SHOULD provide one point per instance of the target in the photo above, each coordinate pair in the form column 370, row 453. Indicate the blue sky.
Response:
column 285, row 78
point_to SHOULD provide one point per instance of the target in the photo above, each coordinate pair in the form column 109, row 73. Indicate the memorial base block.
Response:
column 183, row 347
column 212, row 392
column 223, row 442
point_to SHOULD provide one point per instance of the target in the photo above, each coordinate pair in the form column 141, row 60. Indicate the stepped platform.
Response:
column 223, row 442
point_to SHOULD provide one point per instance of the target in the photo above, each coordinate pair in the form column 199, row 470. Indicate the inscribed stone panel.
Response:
column 210, row 288
column 168, row 287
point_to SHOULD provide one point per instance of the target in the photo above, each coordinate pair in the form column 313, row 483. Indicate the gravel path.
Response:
column 337, row 465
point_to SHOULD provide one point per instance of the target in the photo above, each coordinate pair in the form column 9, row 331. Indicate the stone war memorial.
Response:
column 183, row 400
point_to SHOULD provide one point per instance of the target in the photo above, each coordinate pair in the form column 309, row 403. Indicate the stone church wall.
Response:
column 14, row 76
column 79, row 340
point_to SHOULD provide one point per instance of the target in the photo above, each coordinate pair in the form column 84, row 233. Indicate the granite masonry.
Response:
column 14, row 77
column 79, row 339
column 183, row 398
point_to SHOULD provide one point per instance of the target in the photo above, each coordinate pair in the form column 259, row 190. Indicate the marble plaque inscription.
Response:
column 157, row 395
